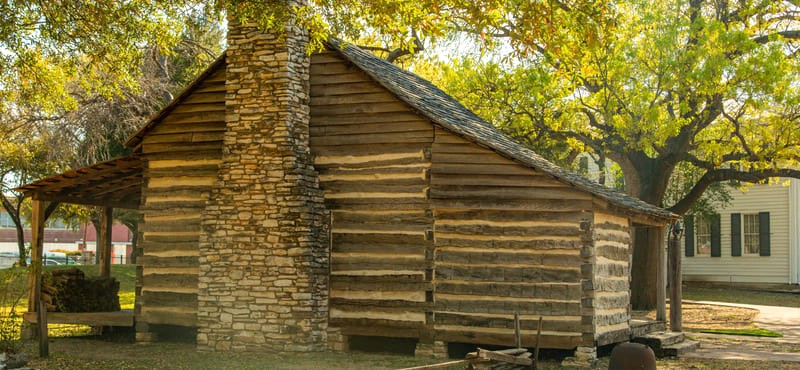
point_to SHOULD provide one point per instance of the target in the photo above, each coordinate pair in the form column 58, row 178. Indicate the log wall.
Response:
column 182, row 156
column 507, row 239
column 611, row 284
column 371, row 152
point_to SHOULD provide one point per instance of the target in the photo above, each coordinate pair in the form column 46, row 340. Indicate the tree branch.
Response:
column 788, row 34
column 724, row 174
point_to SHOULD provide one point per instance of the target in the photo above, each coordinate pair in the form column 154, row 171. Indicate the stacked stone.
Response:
column 263, row 279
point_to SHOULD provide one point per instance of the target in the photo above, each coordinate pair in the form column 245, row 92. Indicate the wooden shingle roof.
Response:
column 444, row 110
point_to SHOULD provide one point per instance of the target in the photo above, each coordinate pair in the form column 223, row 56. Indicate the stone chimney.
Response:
column 263, row 276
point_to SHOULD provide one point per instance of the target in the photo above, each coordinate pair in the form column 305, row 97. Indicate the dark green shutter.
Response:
column 736, row 234
column 716, row 243
column 763, row 233
column 689, row 241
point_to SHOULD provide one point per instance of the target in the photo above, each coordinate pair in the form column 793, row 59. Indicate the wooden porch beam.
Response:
column 104, row 240
column 37, row 245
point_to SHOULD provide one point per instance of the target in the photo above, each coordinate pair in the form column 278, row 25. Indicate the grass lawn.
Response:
column 741, row 295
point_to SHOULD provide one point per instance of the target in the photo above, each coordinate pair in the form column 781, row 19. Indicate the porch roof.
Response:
column 114, row 183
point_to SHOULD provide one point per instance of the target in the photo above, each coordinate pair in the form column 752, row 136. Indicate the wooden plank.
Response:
column 356, row 76
column 516, row 181
column 423, row 136
column 560, row 291
column 540, row 274
column 169, row 299
column 552, row 231
column 370, row 128
column 332, row 67
column 355, row 98
column 502, row 357
column 356, row 322
column 116, row 318
column 547, row 205
column 480, row 169
column 348, row 88
column 569, row 342
column 550, row 323
column 205, row 97
column 164, row 129
column 182, row 261
column 444, row 215
column 497, row 192
column 542, row 244
column 197, row 108
column 149, row 149
column 366, row 118
column 326, row 57
column 166, row 316
column 492, row 257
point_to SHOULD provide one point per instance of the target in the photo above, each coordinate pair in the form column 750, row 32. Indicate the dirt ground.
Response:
column 698, row 317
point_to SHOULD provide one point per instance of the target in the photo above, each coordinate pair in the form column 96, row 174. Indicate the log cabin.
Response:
column 296, row 202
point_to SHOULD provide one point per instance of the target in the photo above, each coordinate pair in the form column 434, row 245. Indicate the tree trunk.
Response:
column 23, row 256
column 646, row 179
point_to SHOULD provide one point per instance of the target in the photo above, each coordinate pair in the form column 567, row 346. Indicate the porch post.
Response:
column 661, row 279
column 35, row 267
column 676, row 293
column 104, row 241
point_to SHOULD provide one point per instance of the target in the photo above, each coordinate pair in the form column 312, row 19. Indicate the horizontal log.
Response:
column 370, row 128
column 176, row 226
column 380, row 279
column 480, row 169
column 615, row 336
column 153, row 261
column 613, row 252
column 357, row 76
column 174, row 148
column 328, row 174
column 333, row 89
column 509, row 230
column 343, row 227
column 366, row 118
column 379, row 323
column 516, row 290
column 444, row 215
column 539, row 274
column 168, row 182
column 551, row 205
column 355, row 98
column 326, row 56
column 152, row 247
column 381, row 331
column 205, row 97
column 187, row 127
column 501, row 306
column 331, row 67
column 377, row 204
column 167, row 316
column 155, row 300
column 197, row 108
column 421, row 136
column 357, row 305
column 493, row 257
column 509, row 181
column 394, row 239
column 549, row 323
column 386, row 248
column 461, row 147
column 366, row 149
column 366, row 284
column 199, row 155
column 470, row 158
column 414, row 217
column 497, row 192
column 444, row 240
column 366, row 264
column 211, row 86
column 170, row 281
column 469, row 335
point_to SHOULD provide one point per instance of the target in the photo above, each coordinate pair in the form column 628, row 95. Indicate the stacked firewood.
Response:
column 69, row 290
